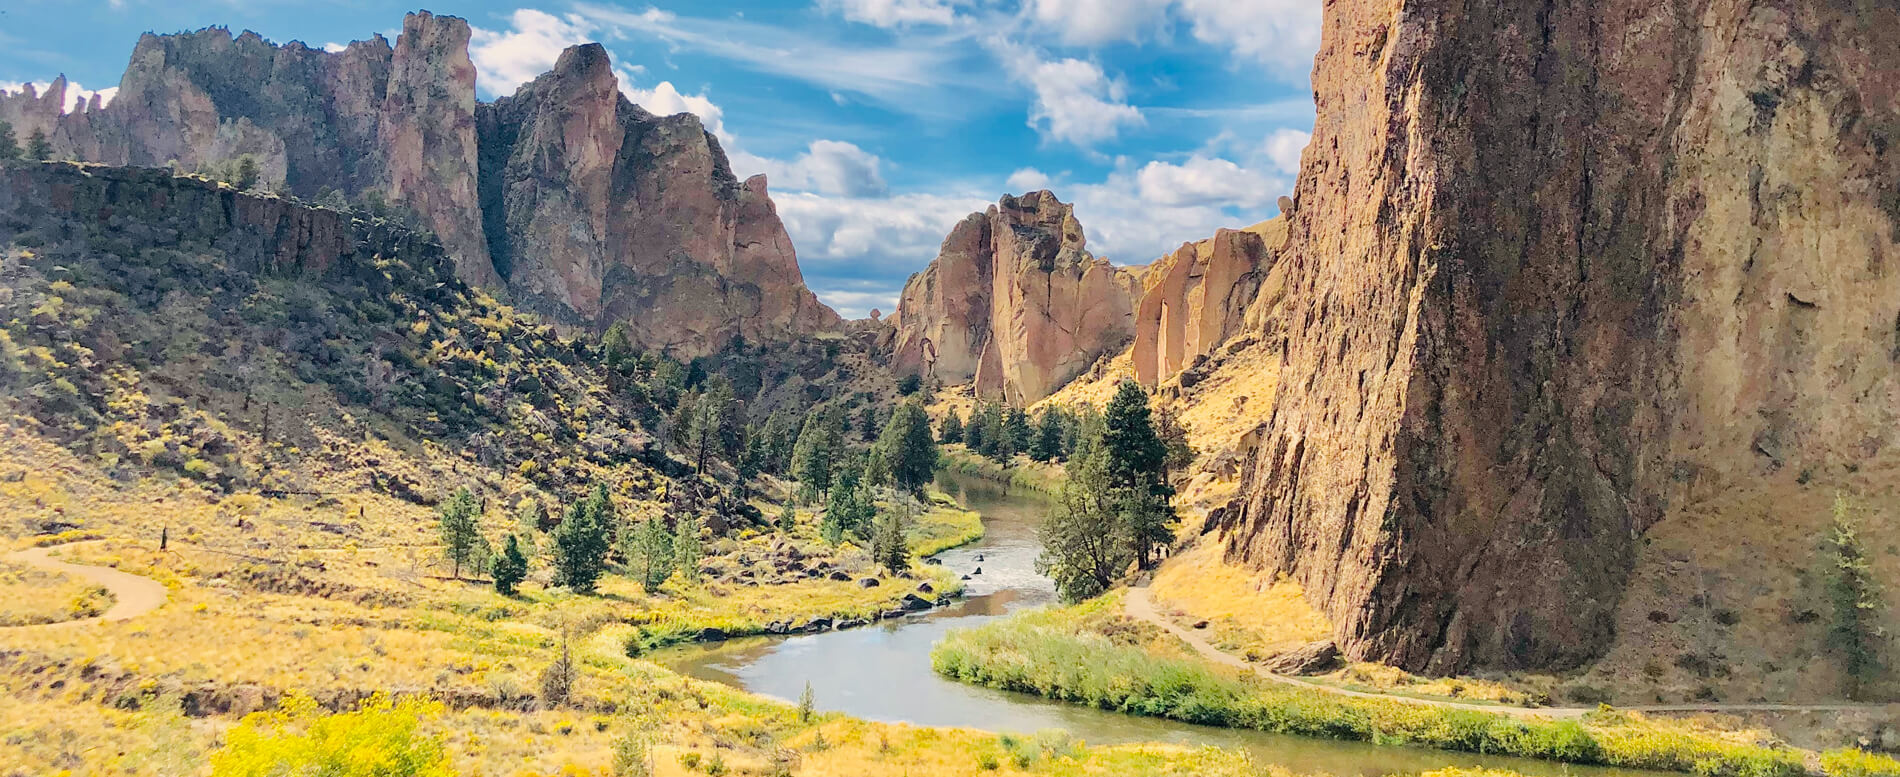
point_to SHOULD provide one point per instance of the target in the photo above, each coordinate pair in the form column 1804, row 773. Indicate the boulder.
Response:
column 1310, row 658
column 869, row 582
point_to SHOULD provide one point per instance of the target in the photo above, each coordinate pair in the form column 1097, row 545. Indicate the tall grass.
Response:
column 1041, row 652
column 1020, row 472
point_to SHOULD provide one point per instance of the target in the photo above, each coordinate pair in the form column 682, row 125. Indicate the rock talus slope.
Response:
column 1552, row 267
column 590, row 209
column 1015, row 302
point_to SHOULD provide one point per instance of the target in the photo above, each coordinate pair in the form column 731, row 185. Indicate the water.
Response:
column 882, row 672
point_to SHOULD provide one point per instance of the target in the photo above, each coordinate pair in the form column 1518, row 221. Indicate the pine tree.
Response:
column 38, row 148
column 706, row 433
column 1856, row 596
column 952, row 429
column 511, row 567
column 1174, row 440
column 867, row 424
column 888, row 545
column 9, row 146
column 1021, row 434
column 687, row 549
column 813, row 456
column 648, row 549
column 616, row 346
column 1135, row 466
column 247, row 173
column 788, row 518
column 461, row 534
column 907, row 449
column 848, row 505
column 581, row 541
column 973, row 431
column 1047, row 445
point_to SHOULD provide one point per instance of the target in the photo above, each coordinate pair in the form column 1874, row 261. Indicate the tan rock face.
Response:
column 1015, row 302
column 588, row 208
column 1551, row 266
column 600, row 211
column 1198, row 297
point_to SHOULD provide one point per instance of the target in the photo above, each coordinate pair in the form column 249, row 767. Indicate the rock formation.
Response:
column 588, row 208
column 1013, row 301
column 1199, row 296
column 1552, row 267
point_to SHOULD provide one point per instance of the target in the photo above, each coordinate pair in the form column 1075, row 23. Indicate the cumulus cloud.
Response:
column 1284, row 147
column 1075, row 101
column 76, row 95
column 506, row 59
column 1095, row 22
column 1202, row 181
column 1283, row 34
column 856, row 252
column 1027, row 179
column 832, row 167
column 894, row 13
column 334, row 47
column 665, row 99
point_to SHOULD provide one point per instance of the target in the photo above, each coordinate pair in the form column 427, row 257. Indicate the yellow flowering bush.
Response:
column 381, row 738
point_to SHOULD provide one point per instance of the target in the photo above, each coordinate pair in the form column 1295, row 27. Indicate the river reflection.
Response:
column 882, row 672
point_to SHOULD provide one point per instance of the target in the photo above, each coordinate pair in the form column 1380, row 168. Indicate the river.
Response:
column 882, row 672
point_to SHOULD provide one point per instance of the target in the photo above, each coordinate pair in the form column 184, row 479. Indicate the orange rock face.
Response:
column 585, row 207
column 1198, row 297
column 1014, row 302
column 1551, row 267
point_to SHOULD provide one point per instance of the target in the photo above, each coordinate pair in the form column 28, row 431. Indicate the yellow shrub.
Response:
column 379, row 739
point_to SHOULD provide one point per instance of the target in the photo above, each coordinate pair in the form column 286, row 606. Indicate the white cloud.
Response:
column 76, row 95
column 334, row 47
column 504, row 60
column 1095, row 22
column 1284, row 147
column 831, row 167
column 893, row 13
column 856, row 252
column 1203, row 181
column 1075, row 101
column 664, row 99
column 1283, row 34
column 1027, row 179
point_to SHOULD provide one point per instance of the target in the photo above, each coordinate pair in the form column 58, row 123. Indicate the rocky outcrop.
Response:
column 588, row 208
column 1551, row 267
column 1199, row 296
column 1015, row 302
column 600, row 211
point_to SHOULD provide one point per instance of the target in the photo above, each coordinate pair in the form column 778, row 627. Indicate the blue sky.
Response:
column 881, row 123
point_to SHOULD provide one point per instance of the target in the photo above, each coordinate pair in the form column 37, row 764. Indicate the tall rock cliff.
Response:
column 587, row 207
column 1014, row 302
column 1196, row 298
column 1553, row 265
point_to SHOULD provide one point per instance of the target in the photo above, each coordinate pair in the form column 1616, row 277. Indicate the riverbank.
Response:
column 1088, row 654
column 1020, row 472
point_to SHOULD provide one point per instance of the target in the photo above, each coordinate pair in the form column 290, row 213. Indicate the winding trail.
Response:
column 1138, row 604
column 133, row 595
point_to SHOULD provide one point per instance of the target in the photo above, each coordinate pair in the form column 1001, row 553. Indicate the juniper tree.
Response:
column 814, row 455
column 848, row 505
column 889, row 548
column 511, row 567
column 1047, row 445
column 1856, row 597
column 38, row 148
column 952, row 429
column 907, row 449
column 581, row 541
column 9, row 146
column 867, row 424
column 648, row 549
column 687, row 549
column 461, row 534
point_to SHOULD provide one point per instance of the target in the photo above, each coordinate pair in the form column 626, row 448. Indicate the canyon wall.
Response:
column 1199, row 296
column 1014, row 302
column 587, row 209
column 1551, row 266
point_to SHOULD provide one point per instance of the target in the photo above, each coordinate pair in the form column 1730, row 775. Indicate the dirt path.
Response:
column 1140, row 606
column 134, row 595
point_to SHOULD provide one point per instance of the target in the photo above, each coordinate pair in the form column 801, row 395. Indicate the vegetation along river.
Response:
column 882, row 672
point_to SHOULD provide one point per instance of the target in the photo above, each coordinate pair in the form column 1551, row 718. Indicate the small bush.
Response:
column 379, row 739
column 1850, row 762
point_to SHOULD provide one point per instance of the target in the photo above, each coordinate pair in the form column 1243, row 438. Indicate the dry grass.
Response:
column 30, row 595
column 1249, row 613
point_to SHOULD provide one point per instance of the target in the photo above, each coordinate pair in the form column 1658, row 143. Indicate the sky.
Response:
column 879, row 123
